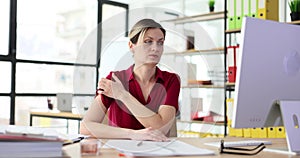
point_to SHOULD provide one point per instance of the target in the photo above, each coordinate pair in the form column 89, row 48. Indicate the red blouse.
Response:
column 164, row 92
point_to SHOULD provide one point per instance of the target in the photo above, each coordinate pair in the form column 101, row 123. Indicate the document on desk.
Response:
column 151, row 148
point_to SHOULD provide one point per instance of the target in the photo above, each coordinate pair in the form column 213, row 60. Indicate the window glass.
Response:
column 51, row 32
column 5, row 79
column 4, row 31
column 42, row 78
column 5, row 110
column 25, row 104
column 111, row 16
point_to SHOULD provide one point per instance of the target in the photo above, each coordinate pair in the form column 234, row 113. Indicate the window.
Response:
column 5, row 110
column 5, row 70
column 56, row 45
column 4, row 31
column 56, row 53
column 51, row 32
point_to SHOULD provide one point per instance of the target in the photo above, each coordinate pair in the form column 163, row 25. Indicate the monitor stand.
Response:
column 290, row 113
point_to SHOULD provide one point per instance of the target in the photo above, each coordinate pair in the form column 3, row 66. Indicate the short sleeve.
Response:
column 173, row 89
column 105, row 99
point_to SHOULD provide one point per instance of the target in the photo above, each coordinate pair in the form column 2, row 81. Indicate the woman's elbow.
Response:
column 83, row 129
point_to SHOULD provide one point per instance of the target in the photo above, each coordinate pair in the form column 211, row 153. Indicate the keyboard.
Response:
column 240, row 143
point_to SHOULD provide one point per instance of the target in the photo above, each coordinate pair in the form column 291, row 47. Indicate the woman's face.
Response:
column 148, row 50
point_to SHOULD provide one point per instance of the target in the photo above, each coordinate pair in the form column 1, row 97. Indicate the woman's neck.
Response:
column 144, row 73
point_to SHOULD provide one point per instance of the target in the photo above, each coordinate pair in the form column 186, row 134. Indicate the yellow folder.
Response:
column 268, row 9
column 280, row 132
column 254, row 132
column 262, row 133
column 247, row 132
column 271, row 132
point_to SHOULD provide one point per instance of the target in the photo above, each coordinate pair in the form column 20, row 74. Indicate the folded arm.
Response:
column 94, row 124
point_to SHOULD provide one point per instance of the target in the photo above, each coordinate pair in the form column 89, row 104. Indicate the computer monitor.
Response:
column 268, row 73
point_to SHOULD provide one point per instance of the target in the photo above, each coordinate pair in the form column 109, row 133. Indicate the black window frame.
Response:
column 12, row 51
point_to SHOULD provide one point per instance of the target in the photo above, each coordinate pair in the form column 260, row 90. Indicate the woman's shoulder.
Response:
column 121, row 73
column 169, row 74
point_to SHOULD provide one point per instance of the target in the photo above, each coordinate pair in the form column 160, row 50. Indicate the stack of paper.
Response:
column 151, row 148
column 12, row 145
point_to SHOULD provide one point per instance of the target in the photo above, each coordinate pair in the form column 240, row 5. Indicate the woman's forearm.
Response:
column 100, row 130
column 145, row 116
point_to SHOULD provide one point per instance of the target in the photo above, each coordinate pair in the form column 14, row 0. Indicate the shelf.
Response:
column 233, row 31
column 214, row 51
column 230, row 86
column 202, row 122
column 297, row 22
column 198, row 18
column 239, row 30
column 202, row 86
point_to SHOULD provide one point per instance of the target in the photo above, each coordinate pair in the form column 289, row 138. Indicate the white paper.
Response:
column 151, row 148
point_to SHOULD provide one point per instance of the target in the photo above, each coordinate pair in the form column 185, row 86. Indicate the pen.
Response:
column 139, row 143
column 72, row 141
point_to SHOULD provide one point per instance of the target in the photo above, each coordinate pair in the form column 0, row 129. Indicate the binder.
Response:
column 262, row 133
column 280, row 132
column 239, row 13
column 239, row 132
column 231, row 56
column 247, row 8
column 253, row 8
column 229, row 105
column 268, row 9
column 271, row 132
column 247, row 132
column 231, row 131
column 231, row 14
column 254, row 132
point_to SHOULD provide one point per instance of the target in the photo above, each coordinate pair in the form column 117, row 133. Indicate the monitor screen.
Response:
column 268, row 71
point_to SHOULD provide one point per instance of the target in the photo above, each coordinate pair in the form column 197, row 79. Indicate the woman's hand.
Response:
column 148, row 134
column 113, row 89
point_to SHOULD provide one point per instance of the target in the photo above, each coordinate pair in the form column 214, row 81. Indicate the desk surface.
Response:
column 57, row 114
column 73, row 150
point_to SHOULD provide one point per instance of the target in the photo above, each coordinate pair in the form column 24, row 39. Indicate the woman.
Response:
column 141, row 102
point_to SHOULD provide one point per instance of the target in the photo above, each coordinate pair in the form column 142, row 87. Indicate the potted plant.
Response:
column 295, row 9
column 211, row 4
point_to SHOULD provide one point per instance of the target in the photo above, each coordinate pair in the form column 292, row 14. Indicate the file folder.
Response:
column 247, row 8
column 231, row 131
column 280, row 132
column 247, row 132
column 262, row 133
column 253, row 8
column 231, row 14
column 239, row 13
column 239, row 132
column 268, row 9
column 271, row 132
column 254, row 132
column 229, row 105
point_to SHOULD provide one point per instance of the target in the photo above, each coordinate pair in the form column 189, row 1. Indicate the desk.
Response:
column 74, row 149
column 57, row 115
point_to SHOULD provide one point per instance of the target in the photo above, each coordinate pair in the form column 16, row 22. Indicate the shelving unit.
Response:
column 230, row 87
column 206, row 17
column 198, row 52
column 198, row 18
